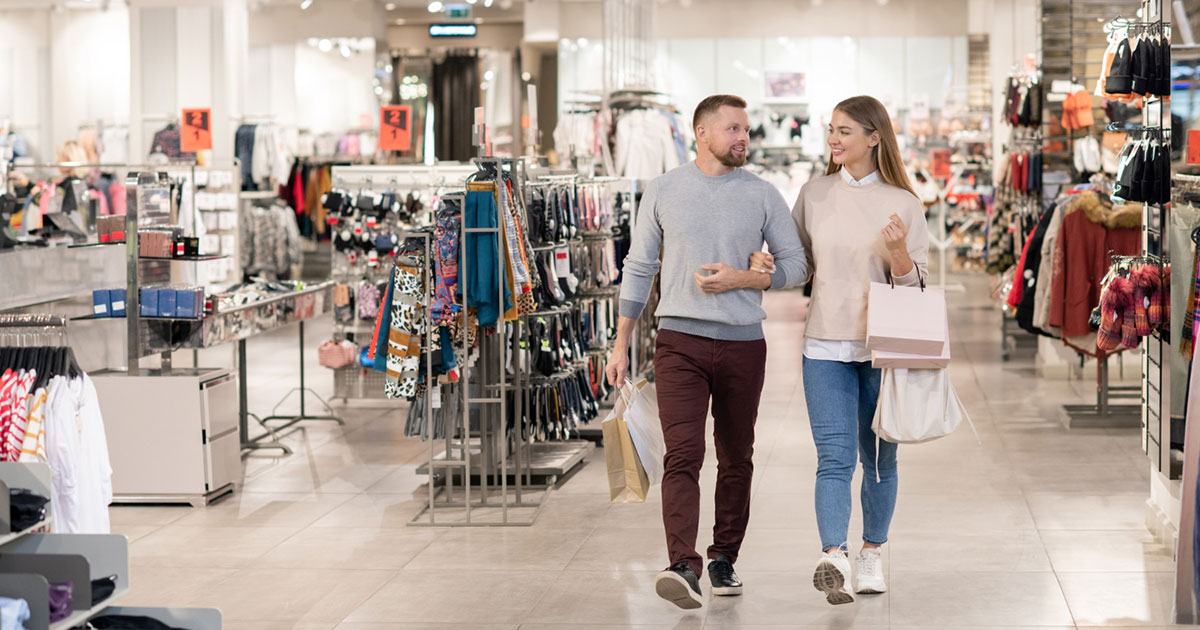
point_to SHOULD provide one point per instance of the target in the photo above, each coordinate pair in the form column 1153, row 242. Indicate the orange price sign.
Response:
column 1193, row 146
column 395, row 128
column 196, row 134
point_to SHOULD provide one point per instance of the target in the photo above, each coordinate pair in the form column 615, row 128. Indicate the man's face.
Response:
column 727, row 135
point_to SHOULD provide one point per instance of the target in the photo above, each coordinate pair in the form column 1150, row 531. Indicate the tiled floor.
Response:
column 1037, row 527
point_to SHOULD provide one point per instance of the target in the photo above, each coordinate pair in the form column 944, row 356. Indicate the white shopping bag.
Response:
column 641, row 415
column 917, row 406
column 911, row 320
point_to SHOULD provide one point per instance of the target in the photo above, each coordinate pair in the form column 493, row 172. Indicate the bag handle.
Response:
column 920, row 278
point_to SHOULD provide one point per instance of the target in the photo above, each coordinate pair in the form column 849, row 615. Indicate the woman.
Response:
column 860, row 223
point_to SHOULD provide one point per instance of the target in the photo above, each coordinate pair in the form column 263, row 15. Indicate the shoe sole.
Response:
column 726, row 591
column 829, row 580
column 673, row 588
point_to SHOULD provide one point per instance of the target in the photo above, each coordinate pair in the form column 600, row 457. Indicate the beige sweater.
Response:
column 840, row 227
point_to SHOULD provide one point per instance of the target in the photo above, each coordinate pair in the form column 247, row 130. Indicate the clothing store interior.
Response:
column 255, row 423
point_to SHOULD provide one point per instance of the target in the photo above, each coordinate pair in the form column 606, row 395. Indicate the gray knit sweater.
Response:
column 696, row 219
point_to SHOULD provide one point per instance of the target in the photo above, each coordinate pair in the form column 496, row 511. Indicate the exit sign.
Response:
column 457, row 12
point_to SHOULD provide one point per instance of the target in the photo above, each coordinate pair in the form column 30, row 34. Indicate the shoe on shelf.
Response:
column 724, row 580
column 832, row 577
column 680, row 585
column 868, row 572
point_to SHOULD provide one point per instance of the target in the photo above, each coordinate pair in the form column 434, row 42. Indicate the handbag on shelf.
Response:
column 334, row 355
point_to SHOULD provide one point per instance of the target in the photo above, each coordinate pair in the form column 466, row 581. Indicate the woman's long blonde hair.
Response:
column 873, row 116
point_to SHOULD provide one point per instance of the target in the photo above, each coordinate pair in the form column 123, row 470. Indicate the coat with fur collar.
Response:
column 1093, row 230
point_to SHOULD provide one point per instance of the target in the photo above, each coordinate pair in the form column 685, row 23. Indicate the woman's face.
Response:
column 849, row 142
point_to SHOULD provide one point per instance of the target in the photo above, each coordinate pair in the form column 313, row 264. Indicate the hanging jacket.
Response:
column 1092, row 231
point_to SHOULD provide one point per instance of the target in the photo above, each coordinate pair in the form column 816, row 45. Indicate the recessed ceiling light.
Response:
column 305, row 4
column 400, row 22
column 436, row 6
column 391, row 6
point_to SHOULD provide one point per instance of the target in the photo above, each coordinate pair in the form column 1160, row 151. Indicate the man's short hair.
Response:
column 713, row 104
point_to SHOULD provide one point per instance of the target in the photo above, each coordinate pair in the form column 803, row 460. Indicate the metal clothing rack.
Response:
column 489, row 376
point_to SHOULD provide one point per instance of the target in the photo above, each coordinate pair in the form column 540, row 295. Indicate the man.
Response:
column 706, row 218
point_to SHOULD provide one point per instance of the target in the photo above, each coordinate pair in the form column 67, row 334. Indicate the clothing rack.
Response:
column 488, row 375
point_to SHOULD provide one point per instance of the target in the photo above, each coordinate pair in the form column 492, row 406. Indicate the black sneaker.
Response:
column 724, row 580
column 680, row 585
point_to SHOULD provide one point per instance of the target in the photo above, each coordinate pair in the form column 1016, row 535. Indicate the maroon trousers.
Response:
column 689, row 370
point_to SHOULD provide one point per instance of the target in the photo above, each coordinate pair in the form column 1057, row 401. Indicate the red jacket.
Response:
column 1092, row 232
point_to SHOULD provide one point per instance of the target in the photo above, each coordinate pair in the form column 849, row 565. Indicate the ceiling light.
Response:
column 388, row 69
column 472, row 1
column 345, row 50
column 305, row 4
column 391, row 6
column 400, row 22
column 325, row 45
column 583, row 42
column 479, row 20
column 436, row 6
column 489, row 75
column 525, row 76
column 487, row 3
column 506, row 4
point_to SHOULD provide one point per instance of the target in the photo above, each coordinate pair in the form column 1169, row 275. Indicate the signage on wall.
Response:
column 457, row 12
column 1193, row 146
column 196, row 132
column 395, row 128
column 453, row 30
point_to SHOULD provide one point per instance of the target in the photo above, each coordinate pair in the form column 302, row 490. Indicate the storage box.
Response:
column 116, row 302
column 100, row 303
column 166, row 302
column 148, row 302
column 189, row 302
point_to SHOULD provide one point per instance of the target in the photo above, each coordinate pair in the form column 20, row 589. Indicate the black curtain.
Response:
column 455, row 93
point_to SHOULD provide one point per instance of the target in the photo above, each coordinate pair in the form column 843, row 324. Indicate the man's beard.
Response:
column 731, row 160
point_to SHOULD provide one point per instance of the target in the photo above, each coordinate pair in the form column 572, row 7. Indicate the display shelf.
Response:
column 190, row 618
column 31, row 562
column 184, row 258
column 86, row 245
column 32, row 476
column 144, row 317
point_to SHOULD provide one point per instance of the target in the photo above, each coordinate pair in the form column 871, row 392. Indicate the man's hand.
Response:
column 617, row 368
column 762, row 262
column 724, row 278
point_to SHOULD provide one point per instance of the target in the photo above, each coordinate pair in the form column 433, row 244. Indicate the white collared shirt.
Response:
column 842, row 351
column 849, row 179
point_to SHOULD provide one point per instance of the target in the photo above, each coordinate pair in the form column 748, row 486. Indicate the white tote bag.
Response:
column 645, row 428
column 917, row 406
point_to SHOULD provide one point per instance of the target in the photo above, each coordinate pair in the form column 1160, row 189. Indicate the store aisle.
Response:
column 1037, row 526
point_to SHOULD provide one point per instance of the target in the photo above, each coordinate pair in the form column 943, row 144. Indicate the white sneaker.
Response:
column 868, row 572
column 832, row 577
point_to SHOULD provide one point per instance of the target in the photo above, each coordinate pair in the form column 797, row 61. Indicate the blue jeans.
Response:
column 841, row 406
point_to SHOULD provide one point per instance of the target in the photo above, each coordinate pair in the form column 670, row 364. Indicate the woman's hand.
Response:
column 762, row 262
column 895, row 235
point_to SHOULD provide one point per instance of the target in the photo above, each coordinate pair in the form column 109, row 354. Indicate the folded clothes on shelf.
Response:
column 26, row 508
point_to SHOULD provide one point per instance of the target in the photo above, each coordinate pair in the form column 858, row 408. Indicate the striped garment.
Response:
column 12, row 432
column 8, row 386
column 33, row 448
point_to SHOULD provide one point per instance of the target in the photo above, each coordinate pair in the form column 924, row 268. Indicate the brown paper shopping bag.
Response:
column 627, row 480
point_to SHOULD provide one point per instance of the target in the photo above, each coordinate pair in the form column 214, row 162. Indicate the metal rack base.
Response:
column 437, row 516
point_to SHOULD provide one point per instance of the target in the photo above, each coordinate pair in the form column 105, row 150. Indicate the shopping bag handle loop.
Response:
column 920, row 278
